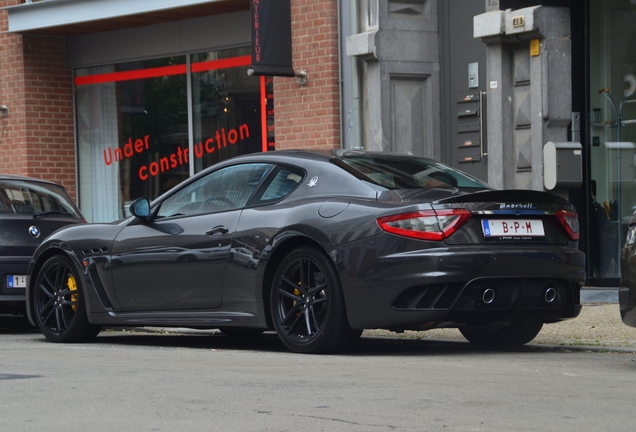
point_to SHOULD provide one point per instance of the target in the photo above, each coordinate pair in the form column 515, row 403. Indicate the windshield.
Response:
column 405, row 172
column 35, row 199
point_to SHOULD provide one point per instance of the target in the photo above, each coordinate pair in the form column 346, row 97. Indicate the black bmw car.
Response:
column 30, row 210
column 318, row 245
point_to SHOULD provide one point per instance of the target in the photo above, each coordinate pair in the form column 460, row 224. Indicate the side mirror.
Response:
column 141, row 208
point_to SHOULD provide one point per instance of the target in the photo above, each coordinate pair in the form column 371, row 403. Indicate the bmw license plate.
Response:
column 512, row 228
column 16, row 281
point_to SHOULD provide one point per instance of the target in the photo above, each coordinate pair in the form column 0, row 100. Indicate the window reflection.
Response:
column 134, row 123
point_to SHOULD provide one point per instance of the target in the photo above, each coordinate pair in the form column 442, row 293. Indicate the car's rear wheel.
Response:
column 307, row 304
column 511, row 336
column 58, row 302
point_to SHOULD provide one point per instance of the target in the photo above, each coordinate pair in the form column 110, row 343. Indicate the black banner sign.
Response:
column 271, row 38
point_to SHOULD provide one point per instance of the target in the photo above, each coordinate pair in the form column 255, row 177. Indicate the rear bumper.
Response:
column 451, row 287
column 12, row 298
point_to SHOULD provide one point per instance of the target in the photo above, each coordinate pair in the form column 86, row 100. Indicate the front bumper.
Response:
column 12, row 299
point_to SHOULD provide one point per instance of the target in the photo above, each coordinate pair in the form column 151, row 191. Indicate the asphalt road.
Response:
column 128, row 381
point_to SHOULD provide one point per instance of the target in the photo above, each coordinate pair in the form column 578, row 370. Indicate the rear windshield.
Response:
column 406, row 172
column 35, row 199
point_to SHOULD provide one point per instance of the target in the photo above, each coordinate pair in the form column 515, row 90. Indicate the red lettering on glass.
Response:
column 208, row 146
column 180, row 154
column 154, row 168
column 180, row 157
column 198, row 149
column 165, row 164
column 244, row 131
column 108, row 157
column 129, row 150
column 119, row 155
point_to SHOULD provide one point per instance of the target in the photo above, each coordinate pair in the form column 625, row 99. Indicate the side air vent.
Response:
column 95, row 251
column 99, row 288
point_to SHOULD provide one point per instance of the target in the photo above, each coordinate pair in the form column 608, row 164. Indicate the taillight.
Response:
column 425, row 225
column 570, row 222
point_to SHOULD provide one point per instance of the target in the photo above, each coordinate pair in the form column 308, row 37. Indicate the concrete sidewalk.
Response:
column 599, row 295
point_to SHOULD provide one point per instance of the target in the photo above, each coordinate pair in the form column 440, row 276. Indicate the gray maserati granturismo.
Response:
column 318, row 246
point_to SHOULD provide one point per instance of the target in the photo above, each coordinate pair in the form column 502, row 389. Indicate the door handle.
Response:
column 218, row 231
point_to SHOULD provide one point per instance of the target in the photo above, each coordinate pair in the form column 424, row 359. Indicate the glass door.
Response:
column 612, row 131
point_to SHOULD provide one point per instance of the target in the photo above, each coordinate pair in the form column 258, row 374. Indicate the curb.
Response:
column 541, row 347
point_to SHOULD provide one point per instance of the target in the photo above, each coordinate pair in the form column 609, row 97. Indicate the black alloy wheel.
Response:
column 58, row 303
column 511, row 336
column 307, row 302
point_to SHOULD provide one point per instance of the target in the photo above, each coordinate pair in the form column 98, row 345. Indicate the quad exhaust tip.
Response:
column 549, row 293
column 488, row 295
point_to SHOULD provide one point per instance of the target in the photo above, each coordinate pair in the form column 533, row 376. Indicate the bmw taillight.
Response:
column 425, row 225
column 570, row 221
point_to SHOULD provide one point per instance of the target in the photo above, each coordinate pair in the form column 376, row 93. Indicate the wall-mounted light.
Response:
column 4, row 110
column 301, row 77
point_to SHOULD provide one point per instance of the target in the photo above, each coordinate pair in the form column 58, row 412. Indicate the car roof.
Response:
column 26, row 179
column 319, row 155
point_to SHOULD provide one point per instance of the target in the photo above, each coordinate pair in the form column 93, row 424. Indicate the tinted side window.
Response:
column 280, row 184
column 25, row 198
column 226, row 189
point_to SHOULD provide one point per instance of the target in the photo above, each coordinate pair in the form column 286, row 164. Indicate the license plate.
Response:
column 16, row 281
column 512, row 228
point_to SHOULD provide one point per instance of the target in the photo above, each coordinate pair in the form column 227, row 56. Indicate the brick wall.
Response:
column 37, row 137
column 309, row 116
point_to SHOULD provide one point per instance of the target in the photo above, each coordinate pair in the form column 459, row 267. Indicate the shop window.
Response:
column 138, row 135
column 227, row 107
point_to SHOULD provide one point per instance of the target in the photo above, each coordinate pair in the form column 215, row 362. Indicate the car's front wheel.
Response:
column 58, row 303
column 511, row 336
column 307, row 304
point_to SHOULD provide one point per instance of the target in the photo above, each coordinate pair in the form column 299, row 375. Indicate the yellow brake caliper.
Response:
column 72, row 285
column 297, row 293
